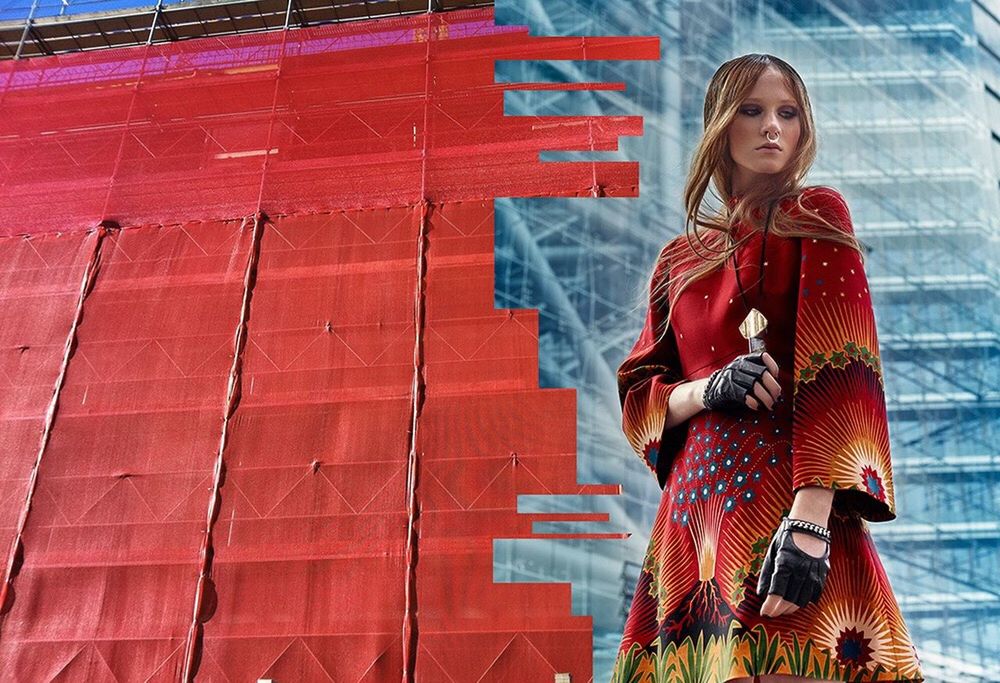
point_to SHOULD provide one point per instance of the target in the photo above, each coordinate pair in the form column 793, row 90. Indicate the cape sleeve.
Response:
column 840, row 432
column 646, row 378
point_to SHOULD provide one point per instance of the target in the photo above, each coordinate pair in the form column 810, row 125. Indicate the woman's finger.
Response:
column 769, row 362
column 751, row 402
column 771, row 384
column 762, row 395
column 787, row 607
column 770, row 606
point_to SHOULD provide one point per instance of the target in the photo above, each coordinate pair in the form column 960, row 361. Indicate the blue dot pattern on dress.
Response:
column 725, row 457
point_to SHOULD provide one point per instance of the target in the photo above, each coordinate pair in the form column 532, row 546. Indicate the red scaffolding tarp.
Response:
column 260, row 418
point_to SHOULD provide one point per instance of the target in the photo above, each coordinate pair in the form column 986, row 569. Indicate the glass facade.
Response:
column 906, row 101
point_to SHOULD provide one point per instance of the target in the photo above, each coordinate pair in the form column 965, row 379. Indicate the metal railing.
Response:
column 104, row 24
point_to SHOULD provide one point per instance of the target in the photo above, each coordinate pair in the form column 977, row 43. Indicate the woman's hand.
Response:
column 813, row 504
column 791, row 577
column 748, row 380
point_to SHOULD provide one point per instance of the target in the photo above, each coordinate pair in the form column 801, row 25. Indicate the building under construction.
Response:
column 260, row 415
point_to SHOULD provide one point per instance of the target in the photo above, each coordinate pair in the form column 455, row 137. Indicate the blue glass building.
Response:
column 907, row 103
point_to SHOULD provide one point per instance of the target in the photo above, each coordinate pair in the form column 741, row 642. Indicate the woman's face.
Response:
column 769, row 109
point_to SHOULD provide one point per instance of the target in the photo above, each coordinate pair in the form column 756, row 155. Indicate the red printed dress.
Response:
column 727, row 480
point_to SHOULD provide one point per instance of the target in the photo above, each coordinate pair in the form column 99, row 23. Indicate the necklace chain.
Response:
column 763, row 250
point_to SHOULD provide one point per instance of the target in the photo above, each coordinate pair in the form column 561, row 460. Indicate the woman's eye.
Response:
column 785, row 114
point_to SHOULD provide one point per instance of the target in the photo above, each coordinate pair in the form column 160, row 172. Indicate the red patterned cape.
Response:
column 727, row 480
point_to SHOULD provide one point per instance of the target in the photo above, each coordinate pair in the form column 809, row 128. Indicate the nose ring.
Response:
column 768, row 136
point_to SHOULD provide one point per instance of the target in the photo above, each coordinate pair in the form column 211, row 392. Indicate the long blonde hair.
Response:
column 712, row 161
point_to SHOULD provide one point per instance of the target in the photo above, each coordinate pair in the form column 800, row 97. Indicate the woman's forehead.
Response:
column 772, row 84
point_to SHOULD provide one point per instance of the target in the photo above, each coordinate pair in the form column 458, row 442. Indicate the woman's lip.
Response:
column 770, row 149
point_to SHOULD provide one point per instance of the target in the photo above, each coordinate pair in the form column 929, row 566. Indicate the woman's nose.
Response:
column 771, row 124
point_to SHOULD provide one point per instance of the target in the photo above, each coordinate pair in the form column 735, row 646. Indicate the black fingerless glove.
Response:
column 729, row 386
column 789, row 571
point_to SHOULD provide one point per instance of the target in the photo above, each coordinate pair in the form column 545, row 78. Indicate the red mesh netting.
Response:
column 264, row 421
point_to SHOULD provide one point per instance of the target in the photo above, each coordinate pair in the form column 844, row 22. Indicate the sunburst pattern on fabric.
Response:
column 706, row 519
column 873, row 482
column 855, row 633
column 852, row 625
column 642, row 422
column 841, row 436
column 853, row 648
column 858, row 621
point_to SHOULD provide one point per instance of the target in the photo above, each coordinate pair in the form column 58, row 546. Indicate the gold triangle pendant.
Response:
column 752, row 328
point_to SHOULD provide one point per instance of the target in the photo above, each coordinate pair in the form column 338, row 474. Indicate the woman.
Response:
column 755, row 395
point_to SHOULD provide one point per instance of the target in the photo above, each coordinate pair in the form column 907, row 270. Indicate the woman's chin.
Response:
column 761, row 173
column 768, row 169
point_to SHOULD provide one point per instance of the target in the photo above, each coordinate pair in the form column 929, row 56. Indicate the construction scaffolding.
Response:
column 47, row 28
column 260, row 416
column 902, row 99
column 905, row 95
